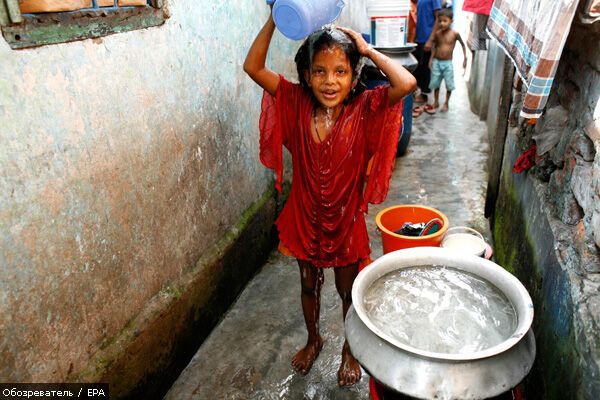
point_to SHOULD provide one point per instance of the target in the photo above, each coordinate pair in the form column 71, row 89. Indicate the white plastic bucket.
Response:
column 465, row 240
column 389, row 22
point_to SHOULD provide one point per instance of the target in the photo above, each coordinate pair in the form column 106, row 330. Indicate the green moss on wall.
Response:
column 147, row 355
column 555, row 373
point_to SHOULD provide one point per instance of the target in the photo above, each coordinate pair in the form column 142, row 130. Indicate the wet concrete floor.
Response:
column 248, row 354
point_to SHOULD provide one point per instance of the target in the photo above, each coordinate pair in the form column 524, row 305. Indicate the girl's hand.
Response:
column 255, row 62
column 361, row 44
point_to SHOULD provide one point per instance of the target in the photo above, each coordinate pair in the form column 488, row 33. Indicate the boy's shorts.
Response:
column 442, row 70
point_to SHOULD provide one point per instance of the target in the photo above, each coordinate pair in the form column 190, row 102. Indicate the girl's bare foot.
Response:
column 304, row 359
column 349, row 372
column 445, row 108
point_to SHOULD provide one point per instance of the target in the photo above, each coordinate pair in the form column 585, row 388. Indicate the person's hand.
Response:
column 361, row 44
column 427, row 46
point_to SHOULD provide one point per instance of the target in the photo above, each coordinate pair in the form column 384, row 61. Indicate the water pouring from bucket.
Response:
column 296, row 19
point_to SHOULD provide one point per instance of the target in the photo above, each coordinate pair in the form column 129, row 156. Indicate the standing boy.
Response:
column 440, row 63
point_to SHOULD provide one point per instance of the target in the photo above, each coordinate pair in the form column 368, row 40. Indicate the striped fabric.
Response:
column 533, row 33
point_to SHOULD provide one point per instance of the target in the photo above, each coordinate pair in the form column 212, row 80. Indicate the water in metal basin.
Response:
column 440, row 309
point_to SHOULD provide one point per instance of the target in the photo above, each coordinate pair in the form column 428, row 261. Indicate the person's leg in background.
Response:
column 422, row 72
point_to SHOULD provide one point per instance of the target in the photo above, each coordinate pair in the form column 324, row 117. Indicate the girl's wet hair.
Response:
column 327, row 38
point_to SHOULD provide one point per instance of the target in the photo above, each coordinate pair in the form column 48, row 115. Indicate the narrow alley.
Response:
column 248, row 355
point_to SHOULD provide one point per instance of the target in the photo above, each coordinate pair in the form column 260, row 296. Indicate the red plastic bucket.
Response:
column 391, row 219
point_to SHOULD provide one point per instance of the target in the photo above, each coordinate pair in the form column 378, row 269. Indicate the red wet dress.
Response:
column 323, row 219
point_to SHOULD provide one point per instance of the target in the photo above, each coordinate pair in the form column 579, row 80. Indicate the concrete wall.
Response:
column 546, row 223
column 490, row 103
column 130, row 174
column 477, row 80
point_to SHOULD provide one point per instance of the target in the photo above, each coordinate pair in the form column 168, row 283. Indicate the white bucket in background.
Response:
column 465, row 240
column 389, row 22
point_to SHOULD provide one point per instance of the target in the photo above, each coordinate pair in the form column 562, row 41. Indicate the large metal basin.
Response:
column 423, row 374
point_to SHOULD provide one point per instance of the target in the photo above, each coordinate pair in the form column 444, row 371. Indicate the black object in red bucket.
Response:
column 390, row 219
column 379, row 392
column 421, row 228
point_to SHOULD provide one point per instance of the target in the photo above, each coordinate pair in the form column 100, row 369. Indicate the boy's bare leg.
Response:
column 311, row 279
column 349, row 372
column 436, row 97
column 445, row 106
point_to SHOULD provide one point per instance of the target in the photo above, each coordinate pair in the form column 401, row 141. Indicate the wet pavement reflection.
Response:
column 248, row 355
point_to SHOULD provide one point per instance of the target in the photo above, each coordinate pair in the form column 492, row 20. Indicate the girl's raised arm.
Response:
column 254, row 65
column 402, row 82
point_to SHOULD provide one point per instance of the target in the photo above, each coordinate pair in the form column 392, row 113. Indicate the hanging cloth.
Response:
column 412, row 22
column 477, row 39
column 532, row 34
column 478, row 6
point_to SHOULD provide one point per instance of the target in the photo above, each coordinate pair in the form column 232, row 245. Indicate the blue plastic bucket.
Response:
column 296, row 19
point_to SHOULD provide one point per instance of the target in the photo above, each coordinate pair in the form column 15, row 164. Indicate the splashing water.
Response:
column 328, row 118
column 440, row 309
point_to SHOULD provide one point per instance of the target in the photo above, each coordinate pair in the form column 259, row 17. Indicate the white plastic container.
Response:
column 465, row 240
column 389, row 22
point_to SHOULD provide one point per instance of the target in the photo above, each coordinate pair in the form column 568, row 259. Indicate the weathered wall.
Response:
column 493, row 87
column 129, row 171
column 546, row 224
column 477, row 80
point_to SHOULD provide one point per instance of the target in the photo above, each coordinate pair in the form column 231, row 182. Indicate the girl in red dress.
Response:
column 334, row 129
